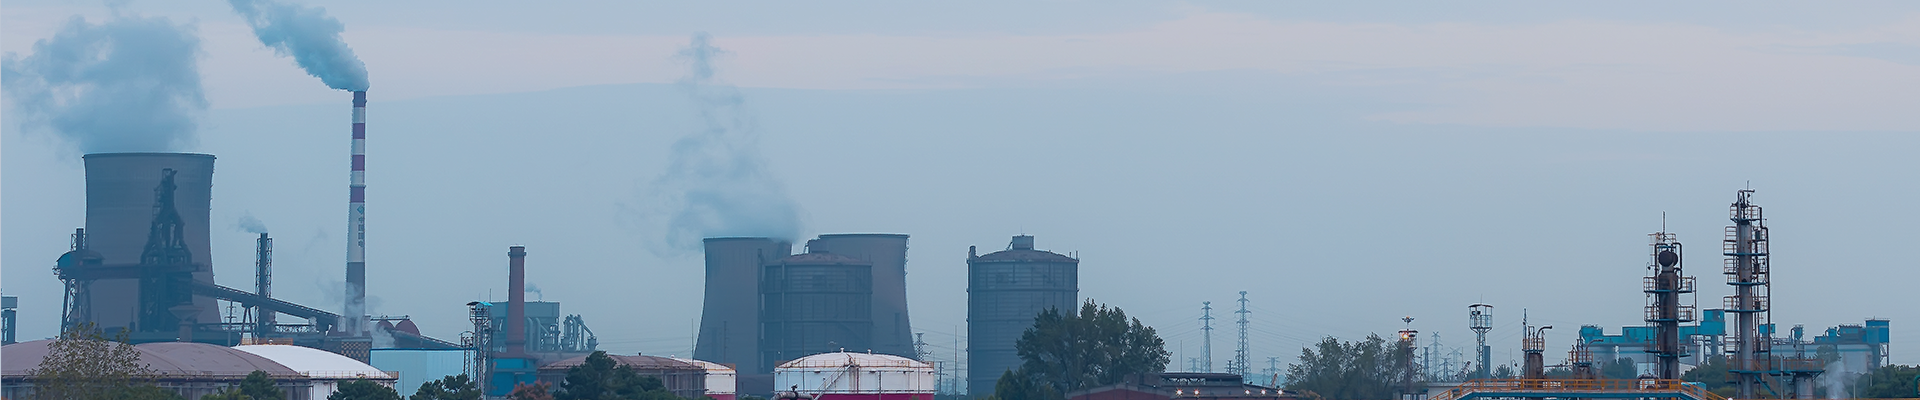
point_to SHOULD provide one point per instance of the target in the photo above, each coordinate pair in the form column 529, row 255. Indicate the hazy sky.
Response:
column 1347, row 165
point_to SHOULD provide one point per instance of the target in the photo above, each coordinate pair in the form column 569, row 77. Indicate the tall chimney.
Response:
column 262, row 284
column 356, row 310
column 516, row 300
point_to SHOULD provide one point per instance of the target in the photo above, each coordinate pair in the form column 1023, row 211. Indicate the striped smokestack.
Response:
column 356, row 310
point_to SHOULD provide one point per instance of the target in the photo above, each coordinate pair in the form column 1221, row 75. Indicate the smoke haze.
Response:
column 717, row 183
column 250, row 224
column 129, row 84
column 308, row 35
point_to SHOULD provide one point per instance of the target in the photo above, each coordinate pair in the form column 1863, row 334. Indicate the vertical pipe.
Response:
column 356, row 313
column 516, row 300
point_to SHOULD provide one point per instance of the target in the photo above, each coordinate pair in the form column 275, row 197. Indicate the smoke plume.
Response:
column 250, row 224
column 129, row 84
column 717, row 183
column 310, row 36
column 536, row 292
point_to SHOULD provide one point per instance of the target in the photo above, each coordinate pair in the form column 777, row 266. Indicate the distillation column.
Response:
column 1666, row 310
column 1745, row 248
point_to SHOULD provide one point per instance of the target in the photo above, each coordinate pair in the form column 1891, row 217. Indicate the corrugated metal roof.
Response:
column 313, row 362
column 638, row 362
column 1019, row 255
column 207, row 359
column 712, row 367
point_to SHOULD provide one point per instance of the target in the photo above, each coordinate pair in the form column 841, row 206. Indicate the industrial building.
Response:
column 190, row 369
column 857, row 376
column 327, row 371
column 684, row 379
column 719, row 381
column 1005, row 290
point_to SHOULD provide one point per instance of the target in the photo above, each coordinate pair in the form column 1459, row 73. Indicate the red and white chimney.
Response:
column 356, row 307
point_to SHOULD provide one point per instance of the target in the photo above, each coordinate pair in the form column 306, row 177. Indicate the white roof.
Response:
column 711, row 367
column 847, row 359
column 315, row 363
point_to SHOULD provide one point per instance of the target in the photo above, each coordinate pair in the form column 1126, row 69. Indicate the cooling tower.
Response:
column 1005, row 290
column 730, row 319
column 120, row 211
column 892, row 330
column 815, row 303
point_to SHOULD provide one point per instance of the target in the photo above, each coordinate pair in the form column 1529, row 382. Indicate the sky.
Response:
column 1345, row 164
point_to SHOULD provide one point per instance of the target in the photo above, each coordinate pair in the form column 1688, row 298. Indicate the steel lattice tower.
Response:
column 1241, row 365
column 1480, row 319
column 1206, row 335
column 1746, row 267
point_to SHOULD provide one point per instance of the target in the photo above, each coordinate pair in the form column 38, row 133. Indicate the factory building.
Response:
column 1636, row 342
column 892, row 329
column 418, row 366
column 326, row 370
column 720, row 379
column 815, row 303
column 189, row 369
column 857, row 376
column 1005, row 290
column 684, row 379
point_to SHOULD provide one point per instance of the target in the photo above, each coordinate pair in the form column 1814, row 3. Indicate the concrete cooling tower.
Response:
column 122, row 191
column 892, row 330
column 730, row 319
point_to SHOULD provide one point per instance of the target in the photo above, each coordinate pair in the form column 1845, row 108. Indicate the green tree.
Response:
column 1711, row 374
column 451, row 387
column 1099, row 346
column 81, row 364
column 1620, row 368
column 1368, row 369
column 362, row 389
column 600, row 378
column 227, row 394
column 1887, row 382
column 1503, row 371
column 1021, row 386
column 260, row 386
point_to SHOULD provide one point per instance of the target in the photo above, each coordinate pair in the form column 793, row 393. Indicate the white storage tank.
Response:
column 720, row 378
column 857, row 376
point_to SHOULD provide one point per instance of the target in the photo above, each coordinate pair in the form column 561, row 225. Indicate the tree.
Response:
column 259, row 386
column 1890, row 381
column 1620, row 368
column 1711, row 374
column 1504, row 371
column 81, row 364
column 1368, row 369
column 227, row 394
column 1099, row 346
column 1021, row 386
column 362, row 389
column 534, row 391
column 600, row 378
column 452, row 387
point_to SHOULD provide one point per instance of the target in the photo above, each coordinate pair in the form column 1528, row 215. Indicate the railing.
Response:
column 1683, row 313
column 1733, row 304
column 1563, row 386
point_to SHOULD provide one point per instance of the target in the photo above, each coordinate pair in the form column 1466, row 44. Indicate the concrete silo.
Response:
column 1005, row 290
column 730, row 317
column 815, row 303
column 122, row 192
column 892, row 329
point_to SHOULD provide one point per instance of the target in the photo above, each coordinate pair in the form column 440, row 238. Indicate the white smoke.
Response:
column 1836, row 379
column 308, row 35
column 250, row 224
column 129, row 84
column 531, row 288
column 716, row 183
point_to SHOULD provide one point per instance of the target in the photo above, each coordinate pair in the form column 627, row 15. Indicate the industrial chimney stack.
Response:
column 356, row 310
column 263, row 284
column 516, row 301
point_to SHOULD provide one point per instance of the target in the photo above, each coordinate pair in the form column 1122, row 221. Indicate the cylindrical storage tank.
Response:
column 1005, row 290
column 858, row 376
column 892, row 330
column 720, row 378
column 120, row 200
column 815, row 303
column 730, row 318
